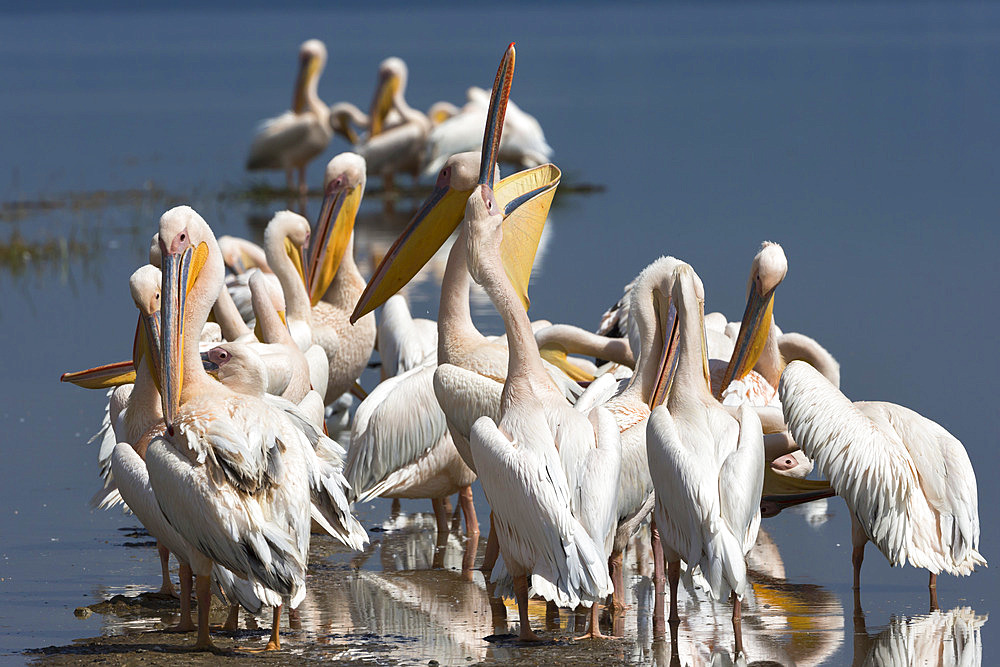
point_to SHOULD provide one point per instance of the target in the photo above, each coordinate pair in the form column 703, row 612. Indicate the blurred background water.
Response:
column 862, row 137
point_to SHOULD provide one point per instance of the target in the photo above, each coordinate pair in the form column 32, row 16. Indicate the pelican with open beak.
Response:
column 441, row 213
column 333, row 280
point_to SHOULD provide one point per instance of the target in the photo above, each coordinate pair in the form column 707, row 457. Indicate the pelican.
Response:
column 399, row 147
column 290, row 141
column 707, row 468
column 133, row 399
column 285, row 238
column 231, row 473
column 280, row 354
column 333, row 279
column 537, row 430
column 468, row 380
column 907, row 481
column 523, row 142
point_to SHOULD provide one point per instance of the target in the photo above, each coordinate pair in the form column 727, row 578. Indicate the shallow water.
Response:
column 860, row 137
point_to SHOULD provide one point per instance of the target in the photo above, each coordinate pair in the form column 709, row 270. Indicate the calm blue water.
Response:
column 861, row 137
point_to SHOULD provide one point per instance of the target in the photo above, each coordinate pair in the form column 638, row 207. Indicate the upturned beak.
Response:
column 442, row 212
column 180, row 270
column 382, row 102
column 495, row 116
column 333, row 232
column 668, row 325
column 754, row 329
column 526, row 198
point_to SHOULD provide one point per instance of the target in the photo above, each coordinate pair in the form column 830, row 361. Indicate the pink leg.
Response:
column 521, row 593
column 167, row 587
column 469, row 510
column 659, row 627
column 203, row 592
column 617, row 572
column 737, row 624
column 492, row 551
column 673, row 576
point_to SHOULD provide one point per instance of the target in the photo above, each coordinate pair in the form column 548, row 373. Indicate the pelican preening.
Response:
column 708, row 469
column 908, row 482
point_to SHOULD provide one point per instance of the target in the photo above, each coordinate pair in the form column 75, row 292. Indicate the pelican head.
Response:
column 187, row 249
column 485, row 222
column 342, row 115
column 687, row 300
column 238, row 367
column 144, row 284
column 343, row 188
column 766, row 273
column 657, row 280
column 312, row 60
column 294, row 231
column 392, row 75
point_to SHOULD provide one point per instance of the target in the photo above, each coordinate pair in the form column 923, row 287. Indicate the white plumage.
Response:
column 908, row 482
column 523, row 141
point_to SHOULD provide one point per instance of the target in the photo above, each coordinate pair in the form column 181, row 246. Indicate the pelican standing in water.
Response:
column 400, row 147
column 550, row 473
column 290, row 141
column 334, row 281
column 231, row 473
column 908, row 482
column 468, row 381
column 707, row 468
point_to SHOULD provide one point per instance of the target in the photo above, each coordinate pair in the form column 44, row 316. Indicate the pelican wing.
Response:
column 599, row 480
column 402, row 145
column 599, row 392
column 945, row 473
column 394, row 426
column 687, row 500
column 328, row 489
column 530, row 502
column 741, row 480
column 464, row 397
column 868, row 466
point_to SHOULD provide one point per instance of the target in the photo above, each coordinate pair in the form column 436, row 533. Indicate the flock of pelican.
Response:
column 215, row 434
column 392, row 137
